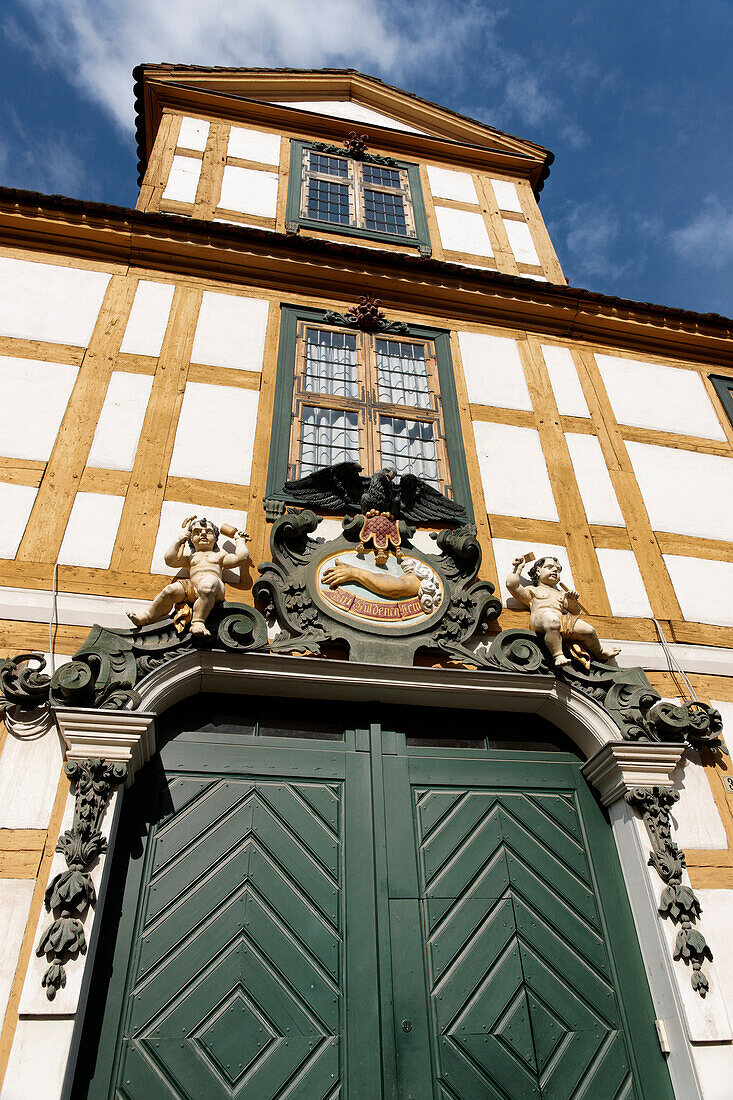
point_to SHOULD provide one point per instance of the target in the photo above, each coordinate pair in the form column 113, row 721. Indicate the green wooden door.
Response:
column 368, row 920
column 510, row 988
column 234, row 971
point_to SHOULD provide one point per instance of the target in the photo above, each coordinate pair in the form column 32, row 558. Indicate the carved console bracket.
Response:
column 678, row 901
column 71, row 892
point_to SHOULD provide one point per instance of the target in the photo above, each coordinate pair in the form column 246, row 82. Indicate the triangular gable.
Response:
column 347, row 108
column 336, row 97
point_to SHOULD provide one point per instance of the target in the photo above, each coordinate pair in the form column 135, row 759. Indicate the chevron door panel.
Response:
column 239, row 977
column 518, row 973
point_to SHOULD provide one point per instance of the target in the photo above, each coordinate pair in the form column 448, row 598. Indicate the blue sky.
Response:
column 633, row 98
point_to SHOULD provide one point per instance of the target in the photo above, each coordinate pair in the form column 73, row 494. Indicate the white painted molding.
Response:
column 619, row 766
column 114, row 735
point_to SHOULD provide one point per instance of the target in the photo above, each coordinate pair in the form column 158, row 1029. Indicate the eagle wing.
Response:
column 421, row 503
column 335, row 488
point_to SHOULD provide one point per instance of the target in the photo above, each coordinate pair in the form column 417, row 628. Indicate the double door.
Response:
column 369, row 919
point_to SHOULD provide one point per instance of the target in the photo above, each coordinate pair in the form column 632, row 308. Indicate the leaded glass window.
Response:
column 368, row 399
column 360, row 195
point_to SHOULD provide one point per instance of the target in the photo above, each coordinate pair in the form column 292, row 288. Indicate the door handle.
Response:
column 407, row 1025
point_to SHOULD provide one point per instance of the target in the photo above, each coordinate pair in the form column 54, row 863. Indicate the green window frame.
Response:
column 418, row 238
column 291, row 318
column 724, row 389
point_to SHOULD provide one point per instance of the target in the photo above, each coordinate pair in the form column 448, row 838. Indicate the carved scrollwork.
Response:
column 518, row 651
column 71, row 892
column 677, row 901
column 107, row 668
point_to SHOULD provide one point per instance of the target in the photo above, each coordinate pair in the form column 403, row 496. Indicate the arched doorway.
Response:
column 321, row 900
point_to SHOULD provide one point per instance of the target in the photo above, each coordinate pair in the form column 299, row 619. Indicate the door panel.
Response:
column 237, row 981
column 521, row 992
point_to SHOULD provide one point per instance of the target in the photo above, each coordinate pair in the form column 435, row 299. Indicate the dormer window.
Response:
column 366, row 196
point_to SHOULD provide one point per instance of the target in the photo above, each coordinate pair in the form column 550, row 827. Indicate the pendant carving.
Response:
column 678, row 902
column 71, row 892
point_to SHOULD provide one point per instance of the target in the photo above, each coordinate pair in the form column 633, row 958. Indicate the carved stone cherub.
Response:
column 553, row 612
column 194, row 596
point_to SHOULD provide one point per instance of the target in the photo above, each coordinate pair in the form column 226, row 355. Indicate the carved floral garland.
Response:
column 72, row 891
column 677, row 901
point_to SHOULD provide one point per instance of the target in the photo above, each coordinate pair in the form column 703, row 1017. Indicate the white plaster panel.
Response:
column 696, row 819
column 569, row 396
column 507, row 197
column 685, row 491
column 533, row 275
column 506, row 550
column 148, row 318
column 624, row 585
column 521, row 243
column 447, row 184
column 717, row 924
column 249, row 190
column 45, row 302
column 172, row 515
column 494, row 371
column 463, row 231
column 703, row 588
column 215, row 433
column 254, row 145
column 348, row 109
column 651, row 395
column 230, row 331
column 120, row 422
column 30, row 769
column 16, row 502
column 34, row 396
column 38, row 1059
column 714, row 1065
column 594, row 481
column 91, row 531
column 193, row 134
column 35, row 605
column 183, row 179
column 15, row 903
column 513, row 471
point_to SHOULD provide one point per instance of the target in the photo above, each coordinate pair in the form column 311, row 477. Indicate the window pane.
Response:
column 330, row 363
column 402, row 374
column 329, row 436
column 409, row 447
column 384, row 212
column 329, row 166
column 382, row 177
column 328, row 202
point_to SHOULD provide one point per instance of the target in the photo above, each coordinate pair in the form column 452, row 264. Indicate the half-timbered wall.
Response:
column 232, row 173
column 132, row 398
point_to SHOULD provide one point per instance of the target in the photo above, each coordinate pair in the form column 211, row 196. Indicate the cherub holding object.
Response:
column 554, row 612
column 194, row 596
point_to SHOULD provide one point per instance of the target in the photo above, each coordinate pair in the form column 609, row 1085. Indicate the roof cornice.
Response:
column 340, row 272
column 243, row 94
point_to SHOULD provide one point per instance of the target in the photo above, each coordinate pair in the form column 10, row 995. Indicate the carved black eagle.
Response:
column 343, row 488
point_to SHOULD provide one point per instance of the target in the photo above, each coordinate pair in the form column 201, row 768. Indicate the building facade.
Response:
column 364, row 838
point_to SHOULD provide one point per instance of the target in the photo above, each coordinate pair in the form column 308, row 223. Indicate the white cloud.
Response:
column 96, row 43
column 593, row 239
column 38, row 161
column 707, row 239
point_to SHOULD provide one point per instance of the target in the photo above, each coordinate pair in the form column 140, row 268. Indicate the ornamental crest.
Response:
column 374, row 590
